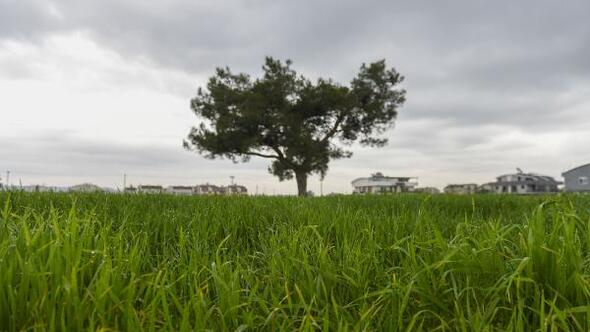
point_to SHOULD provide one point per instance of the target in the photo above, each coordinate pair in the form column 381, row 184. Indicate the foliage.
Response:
column 287, row 118
column 75, row 262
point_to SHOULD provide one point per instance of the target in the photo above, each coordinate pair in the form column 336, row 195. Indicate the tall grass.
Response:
column 392, row 263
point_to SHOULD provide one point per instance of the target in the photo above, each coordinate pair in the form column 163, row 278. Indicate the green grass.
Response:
column 391, row 263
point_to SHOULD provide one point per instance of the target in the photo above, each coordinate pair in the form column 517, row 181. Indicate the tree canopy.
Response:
column 299, row 124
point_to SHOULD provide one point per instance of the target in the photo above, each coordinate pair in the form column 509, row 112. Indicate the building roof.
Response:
column 461, row 185
column 379, row 179
column 575, row 168
column 180, row 187
column 516, row 183
column 206, row 186
column 237, row 186
column 148, row 186
column 536, row 178
column 85, row 187
column 385, row 181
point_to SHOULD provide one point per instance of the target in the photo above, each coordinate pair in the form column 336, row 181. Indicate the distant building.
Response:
column 150, row 189
column 524, row 183
column 207, row 189
column 85, row 187
column 180, row 190
column 461, row 189
column 43, row 189
column 486, row 188
column 427, row 190
column 381, row 184
column 130, row 190
column 235, row 189
column 577, row 179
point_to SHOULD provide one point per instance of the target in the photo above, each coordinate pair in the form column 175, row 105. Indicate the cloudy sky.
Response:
column 90, row 90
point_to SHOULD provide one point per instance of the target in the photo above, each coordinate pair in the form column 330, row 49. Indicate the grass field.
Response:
column 390, row 263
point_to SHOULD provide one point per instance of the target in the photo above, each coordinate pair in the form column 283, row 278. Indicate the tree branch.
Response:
column 334, row 129
column 282, row 158
column 251, row 153
column 279, row 152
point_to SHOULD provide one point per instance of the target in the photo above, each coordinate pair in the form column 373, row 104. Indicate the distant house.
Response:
column 149, row 189
column 486, row 188
column 130, row 190
column 381, row 184
column 42, row 189
column 427, row 190
column 180, row 190
column 207, row 189
column 461, row 189
column 524, row 183
column 235, row 189
column 577, row 179
column 85, row 187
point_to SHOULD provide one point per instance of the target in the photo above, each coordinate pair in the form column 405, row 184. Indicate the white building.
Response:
column 461, row 189
column 149, row 189
column 524, row 183
column 207, row 189
column 577, row 179
column 85, row 187
column 381, row 184
column 180, row 190
column 427, row 190
column 235, row 189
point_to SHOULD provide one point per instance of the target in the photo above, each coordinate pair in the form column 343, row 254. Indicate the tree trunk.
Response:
column 301, row 183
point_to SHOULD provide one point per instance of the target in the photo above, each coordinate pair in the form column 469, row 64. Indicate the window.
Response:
column 583, row 179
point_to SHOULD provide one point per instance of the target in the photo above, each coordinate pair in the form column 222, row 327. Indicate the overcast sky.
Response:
column 90, row 90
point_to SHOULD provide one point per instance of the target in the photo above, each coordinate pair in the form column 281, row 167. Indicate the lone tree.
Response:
column 287, row 118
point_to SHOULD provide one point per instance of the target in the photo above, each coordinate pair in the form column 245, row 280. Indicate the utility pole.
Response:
column 7, row 179
column 124, row 181
column 232, row 179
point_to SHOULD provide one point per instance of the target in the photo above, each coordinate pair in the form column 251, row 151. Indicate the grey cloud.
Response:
column 468, row 44
column 26, row 19
column 481, row 107
column 63, row 153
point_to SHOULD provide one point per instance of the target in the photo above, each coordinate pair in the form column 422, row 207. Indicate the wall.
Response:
column 572, row 182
